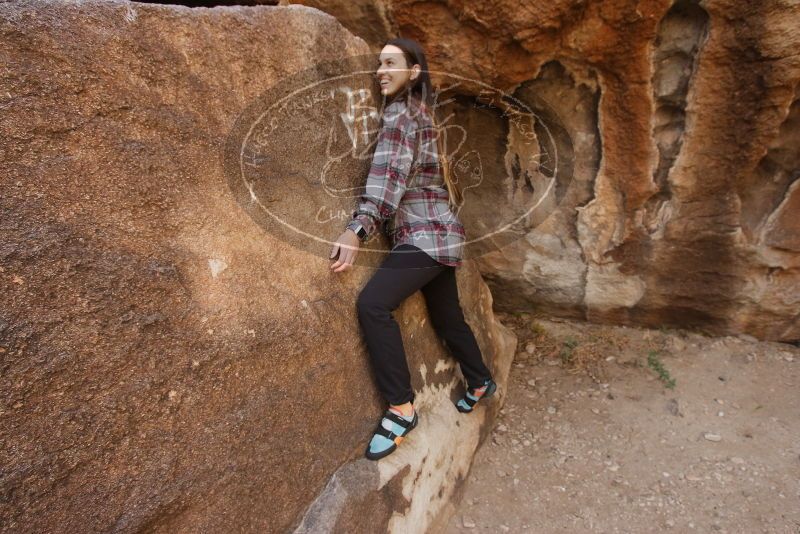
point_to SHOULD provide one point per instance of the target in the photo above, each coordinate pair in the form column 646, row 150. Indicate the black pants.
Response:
column 406, row 269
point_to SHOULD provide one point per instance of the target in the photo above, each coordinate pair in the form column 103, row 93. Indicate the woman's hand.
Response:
column 347, row 247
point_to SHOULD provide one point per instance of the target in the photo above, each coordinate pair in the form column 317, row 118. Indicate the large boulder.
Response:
column 170, row 363
column 681, row 153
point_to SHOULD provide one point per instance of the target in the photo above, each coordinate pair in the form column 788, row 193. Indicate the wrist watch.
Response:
column 359, row 230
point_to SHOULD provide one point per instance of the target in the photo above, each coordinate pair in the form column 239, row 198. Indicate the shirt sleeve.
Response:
column 386, row 181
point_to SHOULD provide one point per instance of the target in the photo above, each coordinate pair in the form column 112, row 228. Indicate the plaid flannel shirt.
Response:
column 405, row 189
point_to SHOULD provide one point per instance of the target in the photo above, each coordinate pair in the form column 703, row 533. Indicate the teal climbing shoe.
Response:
column 473, row 395
column 391, row 431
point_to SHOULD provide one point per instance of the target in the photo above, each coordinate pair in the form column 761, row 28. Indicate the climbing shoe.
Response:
column 473, row 395
column 392, row 429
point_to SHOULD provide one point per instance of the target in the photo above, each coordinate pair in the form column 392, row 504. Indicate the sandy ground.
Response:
column 591, row 439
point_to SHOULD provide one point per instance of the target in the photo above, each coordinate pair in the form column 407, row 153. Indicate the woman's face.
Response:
column 393, row 71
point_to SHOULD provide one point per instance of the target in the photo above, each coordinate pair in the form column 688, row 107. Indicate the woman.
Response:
column 408, row 191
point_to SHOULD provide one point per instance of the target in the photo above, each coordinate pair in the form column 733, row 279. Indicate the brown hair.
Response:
column 422, row 89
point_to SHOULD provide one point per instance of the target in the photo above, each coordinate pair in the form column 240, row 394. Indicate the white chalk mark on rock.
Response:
column 216, row 266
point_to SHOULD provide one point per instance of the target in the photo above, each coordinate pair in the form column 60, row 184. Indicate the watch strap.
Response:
column 359, row 230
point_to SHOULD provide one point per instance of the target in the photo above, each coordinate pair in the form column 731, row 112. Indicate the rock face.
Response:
column 167, row 364
column 682, row 160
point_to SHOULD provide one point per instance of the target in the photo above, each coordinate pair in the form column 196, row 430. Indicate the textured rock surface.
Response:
column 167, row 365
column 684, row 121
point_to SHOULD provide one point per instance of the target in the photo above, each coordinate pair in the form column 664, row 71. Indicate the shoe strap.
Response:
column 385, row 432
column 405, row 423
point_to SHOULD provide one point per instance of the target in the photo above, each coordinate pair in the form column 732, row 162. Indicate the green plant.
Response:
column 537, row 329
column 654, row 363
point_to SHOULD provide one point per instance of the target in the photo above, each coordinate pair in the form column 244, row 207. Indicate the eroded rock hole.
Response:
column 681, row 34
column 772, row 183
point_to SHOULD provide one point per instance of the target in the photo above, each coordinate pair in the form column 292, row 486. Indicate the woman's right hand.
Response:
column 347, row 247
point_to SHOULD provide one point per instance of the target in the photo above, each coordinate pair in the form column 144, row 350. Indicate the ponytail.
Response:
column 422, row 88
column 456, row 198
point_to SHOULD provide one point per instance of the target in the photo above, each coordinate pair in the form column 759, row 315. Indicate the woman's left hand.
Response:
column 347, row 246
